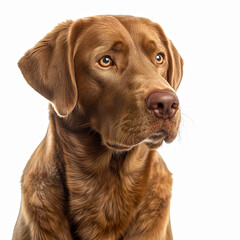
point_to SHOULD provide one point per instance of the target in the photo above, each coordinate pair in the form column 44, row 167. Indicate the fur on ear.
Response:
column 175, row 68
column 49, row 69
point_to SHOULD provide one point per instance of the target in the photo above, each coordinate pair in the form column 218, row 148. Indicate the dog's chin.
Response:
column 155, row 140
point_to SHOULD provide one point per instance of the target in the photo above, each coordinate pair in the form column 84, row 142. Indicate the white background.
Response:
column 204, row 159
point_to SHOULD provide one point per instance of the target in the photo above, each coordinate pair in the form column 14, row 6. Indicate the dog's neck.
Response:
column 97, row 174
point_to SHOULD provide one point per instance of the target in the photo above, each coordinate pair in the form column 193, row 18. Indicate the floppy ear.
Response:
column 48, row 68
column 175, row 68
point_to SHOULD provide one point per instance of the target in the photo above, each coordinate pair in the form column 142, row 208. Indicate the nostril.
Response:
column 160, row 106
column 175, row 105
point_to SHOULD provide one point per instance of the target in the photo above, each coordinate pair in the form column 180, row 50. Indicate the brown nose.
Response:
column 164, row 103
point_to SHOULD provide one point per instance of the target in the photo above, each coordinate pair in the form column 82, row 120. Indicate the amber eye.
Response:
column 105, row 61
column 159, row 58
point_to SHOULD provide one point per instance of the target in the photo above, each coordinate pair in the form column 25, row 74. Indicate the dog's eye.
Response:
column 105, row 61
column 159, row 58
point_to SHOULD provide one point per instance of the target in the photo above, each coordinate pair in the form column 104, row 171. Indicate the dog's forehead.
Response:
column 142, row 30
column 108, row 29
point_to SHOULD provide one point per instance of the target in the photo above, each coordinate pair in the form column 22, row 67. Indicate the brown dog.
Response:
column 111, row 81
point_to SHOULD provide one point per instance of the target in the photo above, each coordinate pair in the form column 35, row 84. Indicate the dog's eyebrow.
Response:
column 149, row 45
column 118, row 46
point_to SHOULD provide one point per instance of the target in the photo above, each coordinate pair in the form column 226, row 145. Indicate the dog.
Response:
column 111, row 82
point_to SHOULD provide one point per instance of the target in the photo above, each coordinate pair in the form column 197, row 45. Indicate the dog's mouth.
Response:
column 154, row 140
column 164, row 132
column 118, row 147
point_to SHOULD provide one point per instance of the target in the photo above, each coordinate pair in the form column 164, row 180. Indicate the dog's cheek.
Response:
column 89, row 94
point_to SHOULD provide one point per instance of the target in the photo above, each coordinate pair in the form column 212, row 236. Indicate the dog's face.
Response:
column 113, row 69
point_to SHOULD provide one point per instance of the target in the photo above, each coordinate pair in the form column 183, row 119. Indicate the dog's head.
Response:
column 121, row 72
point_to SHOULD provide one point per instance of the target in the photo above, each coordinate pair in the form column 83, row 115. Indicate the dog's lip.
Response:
column 118, row 147
column 157, row 135
column 154, row 138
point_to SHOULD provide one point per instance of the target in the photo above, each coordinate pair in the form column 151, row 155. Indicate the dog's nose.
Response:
column 164, row 103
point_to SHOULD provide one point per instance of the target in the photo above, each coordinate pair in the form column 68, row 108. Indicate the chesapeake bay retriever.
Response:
column 112, row 83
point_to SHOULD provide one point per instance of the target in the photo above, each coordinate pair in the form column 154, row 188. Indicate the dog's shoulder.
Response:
column 42, row 181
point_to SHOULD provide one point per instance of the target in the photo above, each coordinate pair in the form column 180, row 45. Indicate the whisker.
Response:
column 121, row 124
column 185, row 115
column 85, row 125
column 133, row 135
column 91, row 130
column 124, row 136
column 82, row 126
column 186, row 122
column 117, row 124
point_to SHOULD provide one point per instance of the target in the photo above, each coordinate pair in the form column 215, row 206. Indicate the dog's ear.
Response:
column 175, row 67
column 48, row 67
column 175, row 61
